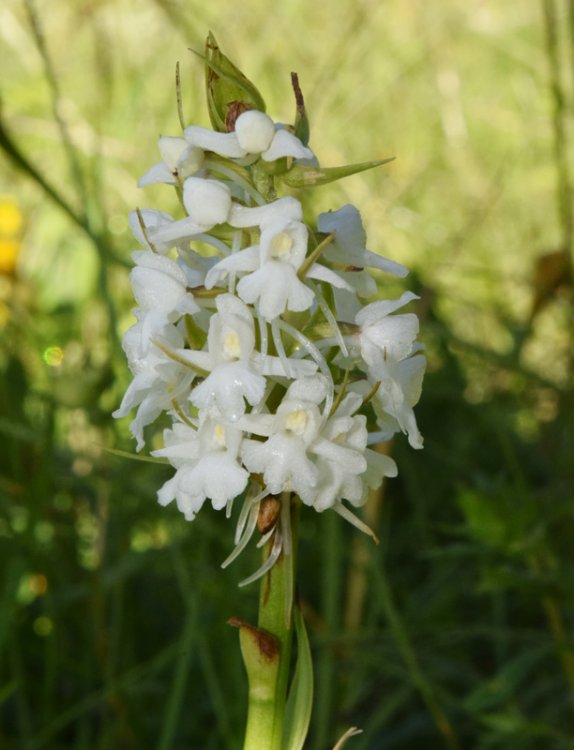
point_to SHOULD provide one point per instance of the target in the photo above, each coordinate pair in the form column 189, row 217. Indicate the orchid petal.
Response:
column 224, row 144
column 322, row 273
column 160, row 172
column 252, row 216
column 285, row 143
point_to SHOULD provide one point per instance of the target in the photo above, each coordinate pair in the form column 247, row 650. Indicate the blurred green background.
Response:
column 456, row 632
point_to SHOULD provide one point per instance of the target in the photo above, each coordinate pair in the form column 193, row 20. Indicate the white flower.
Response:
column 195, row 266
column 261, row 216
column 159, row 284
column 162, row 232
column 379, row 465
column 284, row 143
column 207, row 466
column 231, row 341
column 271, row 281
column 160, row 289
column 399, row 390
column 207, row 202
column 251, row 392
column 158, row 380
column 339, row 454
column 362, row 284
column 377, row 335
column 348, row 246
column 322, row 463
column 274, row 286
column 282, row 458
column 179, row 160
column 152, row 220
column 236, row 370
column 255, row 133
column 384, row 337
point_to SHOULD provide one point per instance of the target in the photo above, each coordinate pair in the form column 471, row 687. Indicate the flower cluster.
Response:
column 253, row 334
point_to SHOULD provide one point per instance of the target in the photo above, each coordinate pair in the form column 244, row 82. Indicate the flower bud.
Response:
column 207, row 202
column 254, row 131
column 229, row 92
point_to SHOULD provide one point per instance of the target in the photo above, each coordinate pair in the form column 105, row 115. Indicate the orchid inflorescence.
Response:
column 252, row 331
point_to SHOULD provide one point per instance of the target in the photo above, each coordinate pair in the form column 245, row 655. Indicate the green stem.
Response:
column 267, row 648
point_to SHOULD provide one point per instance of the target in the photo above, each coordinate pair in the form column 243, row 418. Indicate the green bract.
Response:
column 229, row 92
column 304, row 175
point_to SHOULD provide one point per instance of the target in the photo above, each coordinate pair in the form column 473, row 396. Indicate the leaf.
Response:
column 507, row 683
column 484, row 518
column 300, row 701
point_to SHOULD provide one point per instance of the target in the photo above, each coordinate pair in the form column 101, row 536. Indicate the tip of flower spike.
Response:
column 229, row 91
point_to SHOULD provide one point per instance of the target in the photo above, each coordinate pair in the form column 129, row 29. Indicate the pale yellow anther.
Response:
column 231, row 346
column 296, row 421
column 281, row 246
column 219, row 436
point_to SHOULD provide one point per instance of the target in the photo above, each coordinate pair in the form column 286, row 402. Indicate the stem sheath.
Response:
column 267, row 648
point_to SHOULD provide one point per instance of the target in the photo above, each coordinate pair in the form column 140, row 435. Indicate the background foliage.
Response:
column 456, row 631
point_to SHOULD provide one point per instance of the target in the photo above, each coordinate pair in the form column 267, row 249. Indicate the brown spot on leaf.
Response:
column 267, row 644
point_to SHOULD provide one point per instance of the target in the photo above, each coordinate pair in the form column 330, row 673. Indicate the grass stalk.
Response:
column 401, row 638
column 331, row 592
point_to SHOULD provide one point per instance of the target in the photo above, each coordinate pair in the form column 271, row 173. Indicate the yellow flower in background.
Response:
column 11, row 226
